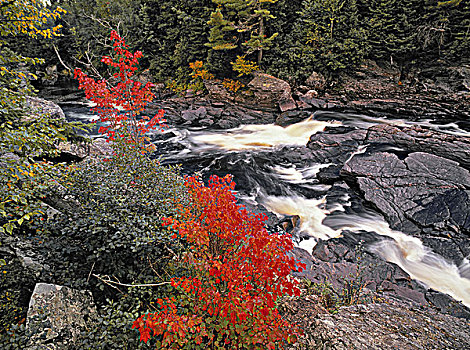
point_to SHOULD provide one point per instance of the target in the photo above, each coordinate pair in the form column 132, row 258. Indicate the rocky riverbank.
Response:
column 416, row 176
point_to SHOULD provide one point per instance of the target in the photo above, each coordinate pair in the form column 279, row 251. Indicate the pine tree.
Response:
column 392, row 30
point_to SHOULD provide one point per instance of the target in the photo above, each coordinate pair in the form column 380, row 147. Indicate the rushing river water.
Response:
column 253, row 154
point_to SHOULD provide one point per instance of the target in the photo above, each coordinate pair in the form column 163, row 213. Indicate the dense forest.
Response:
column 287, row 38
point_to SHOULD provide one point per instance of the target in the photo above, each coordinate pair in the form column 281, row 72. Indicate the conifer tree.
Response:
column 392, row 30
column 330, row 35
column 248, row 18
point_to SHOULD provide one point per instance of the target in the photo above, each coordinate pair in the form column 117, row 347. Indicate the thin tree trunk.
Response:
column 261, row 34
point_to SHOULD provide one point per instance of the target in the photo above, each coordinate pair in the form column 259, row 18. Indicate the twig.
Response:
column 60, row 59
column 92, row 267
column 114, row 283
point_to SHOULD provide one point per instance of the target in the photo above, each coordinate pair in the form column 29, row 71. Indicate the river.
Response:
column 271, row 179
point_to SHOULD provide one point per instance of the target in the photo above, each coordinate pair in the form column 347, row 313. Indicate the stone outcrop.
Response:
column 422, row 190
column 57, row 314
column 265, row 92
column 39, row 106
column 419, row 139
column 386, row 324
column 97, row 148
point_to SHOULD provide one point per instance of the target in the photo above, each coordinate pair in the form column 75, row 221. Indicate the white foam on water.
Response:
column 309, row 211
column 299, row 176
column 417, row 260
column 262, row 136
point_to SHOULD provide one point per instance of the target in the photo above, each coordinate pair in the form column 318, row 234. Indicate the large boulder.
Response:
column 97, row 148
column 265, row 92
column 422, row 190
column 270, row 92
column 39, row 106
column 57, row 314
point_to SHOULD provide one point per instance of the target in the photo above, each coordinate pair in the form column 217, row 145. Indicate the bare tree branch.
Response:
column 113, row 284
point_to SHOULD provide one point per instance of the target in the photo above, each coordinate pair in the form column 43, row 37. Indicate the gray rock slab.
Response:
column 56, row 315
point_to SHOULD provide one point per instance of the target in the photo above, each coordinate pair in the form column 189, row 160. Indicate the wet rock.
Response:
column 336, row 144
column 57, row 314
column 446, row 304
column 215, row 112
column 422, row 190
column 228, row 123
column 354, row 272
column 418, row 139
column 206, row 122
column 291, row 117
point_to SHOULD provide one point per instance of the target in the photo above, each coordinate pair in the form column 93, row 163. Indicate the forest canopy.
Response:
column 286, row 38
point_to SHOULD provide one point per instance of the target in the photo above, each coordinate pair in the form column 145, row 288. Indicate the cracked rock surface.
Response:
column 422, row 190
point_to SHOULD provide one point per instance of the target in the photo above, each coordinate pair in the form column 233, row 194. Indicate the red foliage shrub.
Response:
column 236, row 272
column 121, row 99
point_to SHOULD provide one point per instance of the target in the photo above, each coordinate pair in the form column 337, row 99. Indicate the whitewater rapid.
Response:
column 406, row 251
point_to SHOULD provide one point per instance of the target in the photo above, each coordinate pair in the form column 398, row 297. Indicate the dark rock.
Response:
column 218, row 104
column 192, row 115
column 206, row 122
column 215, row 112
column 423, row 190
column 314, row 102
column 447, row 305
column 330, row 175
column 418, row 139
column 335, row 147
column 291, row 117
column 57, row 314
column 316, row 81
column 228, row 123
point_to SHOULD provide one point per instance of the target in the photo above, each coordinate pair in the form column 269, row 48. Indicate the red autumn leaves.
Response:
column 237, row 271
column 234, row 270
column 121, row 99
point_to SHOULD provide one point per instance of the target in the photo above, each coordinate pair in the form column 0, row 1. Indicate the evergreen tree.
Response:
column 330, row 35
column 284, row 58
column 392, row 30
column 248, row 18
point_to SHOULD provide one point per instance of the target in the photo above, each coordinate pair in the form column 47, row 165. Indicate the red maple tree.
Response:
column 120, row 100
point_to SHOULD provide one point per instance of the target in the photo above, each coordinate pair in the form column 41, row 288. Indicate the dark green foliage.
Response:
column 330, row 36
column 392, row 31
column 13, row 299
column 173, row 34
column 24, row 175
column 284, row 58
column 326, row 37
column 114, row 225
column 109, row 224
